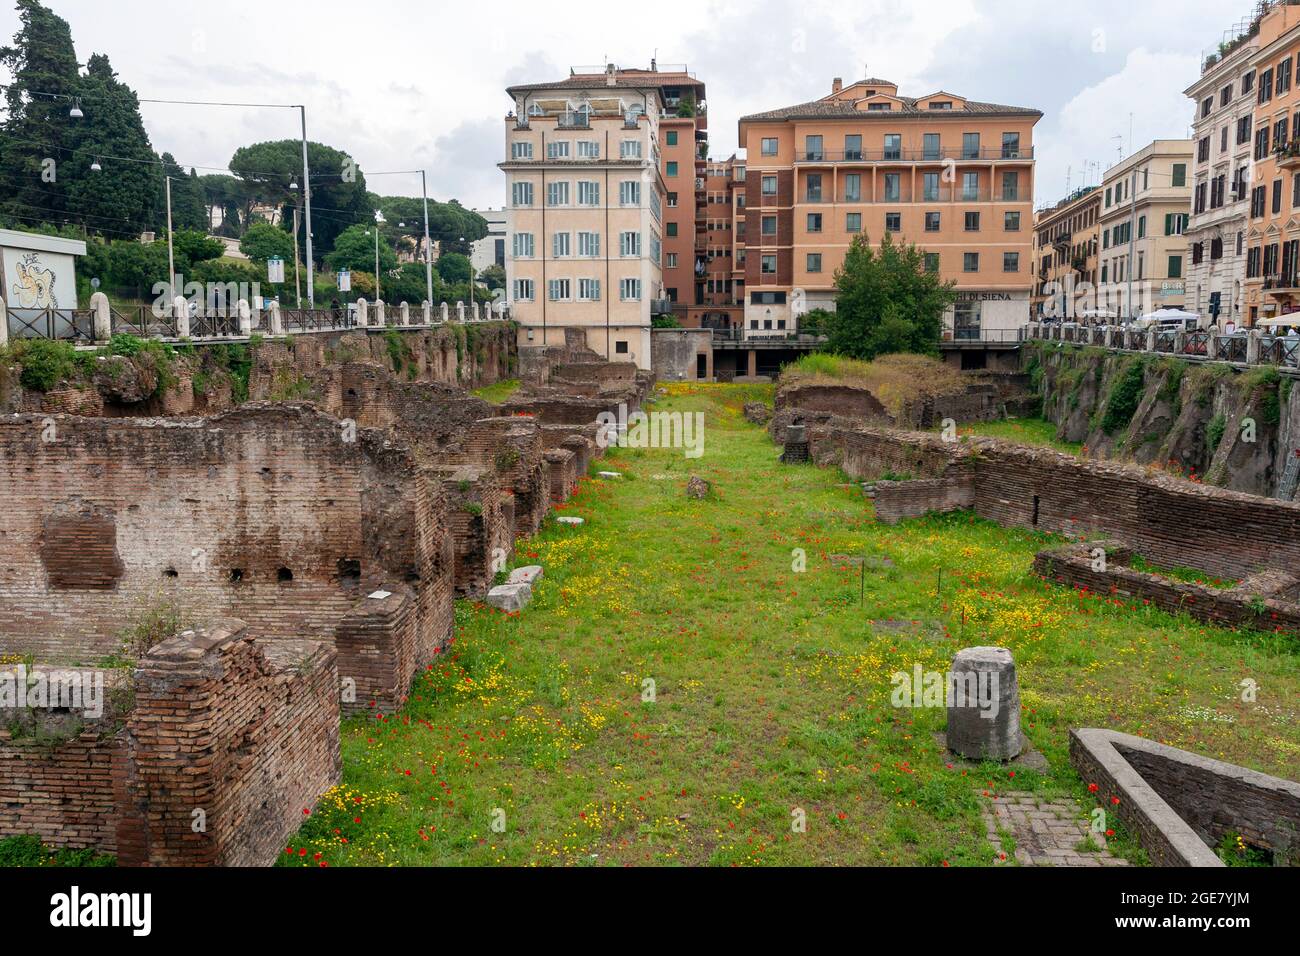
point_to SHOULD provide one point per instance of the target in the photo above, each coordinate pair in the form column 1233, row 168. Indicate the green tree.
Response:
column 886, row 301
column 338, row 185
column 263, row 241
column 42, row 68
column 125, row 196
column 189, row 211
column 494, row 277
column 227, row 194
column 354, row 249
column 453, row 267
column 191, row 246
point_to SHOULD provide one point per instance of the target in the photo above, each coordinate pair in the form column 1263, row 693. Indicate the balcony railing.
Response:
column 1023, row 154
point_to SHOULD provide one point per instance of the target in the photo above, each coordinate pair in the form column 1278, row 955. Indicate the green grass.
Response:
column 498, row 392
column 28, row 851
column 771, row 689
column 1025, row 431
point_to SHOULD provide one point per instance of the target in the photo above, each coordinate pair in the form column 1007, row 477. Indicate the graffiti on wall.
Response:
column 33, row 286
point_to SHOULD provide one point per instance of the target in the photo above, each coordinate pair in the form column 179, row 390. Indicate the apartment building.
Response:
column 1146, row 203
column 1223, row 131
column 588, row 189
column 720, row 280
column 684, row 152
column 1067, row 239
column 491, row 249
column 1272, row 284
column 955, row 176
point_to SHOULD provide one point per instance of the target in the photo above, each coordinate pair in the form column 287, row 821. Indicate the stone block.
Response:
column 528, row 575
column 984, row 704
column 510, row 597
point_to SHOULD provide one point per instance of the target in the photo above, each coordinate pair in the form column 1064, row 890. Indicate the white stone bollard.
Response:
column 181, row 310
column 442, row 312
column 460, row 312
column 427, row 311
column 103, row 317
column 1252, row 347
column 277, row 322
column 380, row 313
column 245, row 318
column 363, row 317
column 404, row 314
column 1150, row 343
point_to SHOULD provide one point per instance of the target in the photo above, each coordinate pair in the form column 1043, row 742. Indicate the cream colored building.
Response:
column 584, row 212
column 1146, row 202
column 1224, row 137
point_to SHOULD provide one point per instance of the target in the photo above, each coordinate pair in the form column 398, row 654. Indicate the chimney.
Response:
column 837, row 84
column 611, row 78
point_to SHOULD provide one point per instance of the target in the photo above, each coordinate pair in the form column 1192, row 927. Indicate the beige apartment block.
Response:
column 1146, row 203
column 584, row 212
column 1223, row 133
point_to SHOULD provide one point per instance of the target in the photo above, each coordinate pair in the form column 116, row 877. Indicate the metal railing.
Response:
column 1241, row 348
column 77, row 325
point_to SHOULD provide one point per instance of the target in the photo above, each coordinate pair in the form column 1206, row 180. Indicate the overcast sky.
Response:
column 406, row 85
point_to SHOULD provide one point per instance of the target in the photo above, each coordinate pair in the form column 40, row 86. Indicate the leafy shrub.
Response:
column 1214, row 432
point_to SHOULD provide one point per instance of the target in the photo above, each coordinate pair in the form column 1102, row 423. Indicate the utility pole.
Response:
column 171, row 254
column 297, row 285
column 428, row 245
column 306, row 187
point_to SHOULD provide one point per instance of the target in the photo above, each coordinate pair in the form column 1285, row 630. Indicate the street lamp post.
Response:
column 470, row 257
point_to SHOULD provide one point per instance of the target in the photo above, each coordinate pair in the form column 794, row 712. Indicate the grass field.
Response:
column 498, row 392
column 540, row 739
column 1026, row 431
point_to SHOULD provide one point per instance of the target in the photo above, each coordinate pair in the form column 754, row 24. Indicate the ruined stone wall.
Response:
column 59, row 771
column 1258, row 601
column 265, row 511
column 247, row 733
column 1172, row 522
column 896, row 500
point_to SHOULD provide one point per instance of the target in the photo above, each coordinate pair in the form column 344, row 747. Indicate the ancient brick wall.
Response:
column 896, row 500
column 1170, row 521
column 1179, row 804
column 59, row 769
column 561, row 473
column 479, row 527
column 245, row 733
column 1251, row 603
column 265, row 511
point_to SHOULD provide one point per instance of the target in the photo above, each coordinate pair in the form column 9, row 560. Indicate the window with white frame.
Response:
column 588, row 149
column 557, row 149
column 629, row 244
column 561, row 245
column 655, row 208
column 524, row 290
column 558, row 290
column 521, row 194
column 588, row 193
column 521, row 150
column 629, row 290
column 589, row 244
column 557, row 194
column 524, row 246
column 588, row 290
column 670, row 261
column 629, row 193
column 630, row 149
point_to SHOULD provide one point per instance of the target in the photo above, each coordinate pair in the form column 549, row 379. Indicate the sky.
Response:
column 401, row 85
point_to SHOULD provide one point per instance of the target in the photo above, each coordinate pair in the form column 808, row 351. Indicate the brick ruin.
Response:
column 1169, row 521
column 323, row 541
column 206, row 755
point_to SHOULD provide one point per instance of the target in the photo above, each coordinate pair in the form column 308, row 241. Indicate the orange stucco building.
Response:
column 952, row 175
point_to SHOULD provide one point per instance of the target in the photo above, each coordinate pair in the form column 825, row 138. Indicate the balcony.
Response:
column 1288, row 157
column 1283, row 284
column 832, row 157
